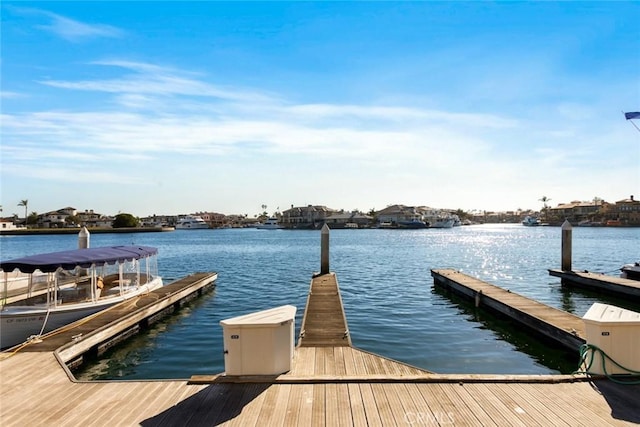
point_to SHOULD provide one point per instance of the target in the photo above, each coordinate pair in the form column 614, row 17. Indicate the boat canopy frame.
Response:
column 84, row 258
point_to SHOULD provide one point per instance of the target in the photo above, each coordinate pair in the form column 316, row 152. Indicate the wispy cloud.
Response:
column 161, row 117
column 11, row 95
column 70, row 29
column 162, row 109
column 158, row 81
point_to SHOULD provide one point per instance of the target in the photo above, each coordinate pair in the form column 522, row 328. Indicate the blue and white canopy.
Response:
column 84, row 258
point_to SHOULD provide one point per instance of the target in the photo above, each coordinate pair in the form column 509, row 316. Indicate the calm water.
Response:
column 391, row 305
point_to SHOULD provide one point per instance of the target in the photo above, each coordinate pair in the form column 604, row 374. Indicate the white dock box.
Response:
column 615, row 331
column 259, row 343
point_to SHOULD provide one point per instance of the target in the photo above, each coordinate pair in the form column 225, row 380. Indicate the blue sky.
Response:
column 169, row 108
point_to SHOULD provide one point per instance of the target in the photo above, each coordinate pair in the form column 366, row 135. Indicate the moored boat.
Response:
column 530, row 221
column 191, row 223
column 630, row 271
column 270, row 224
column 441, row 222
column 386, row 224
column 43, row 292
column 412, row 223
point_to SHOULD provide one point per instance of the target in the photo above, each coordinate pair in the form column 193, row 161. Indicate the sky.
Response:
column 182, row 107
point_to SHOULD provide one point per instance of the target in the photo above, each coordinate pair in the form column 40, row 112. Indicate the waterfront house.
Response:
column 306, row 216
column 575, row 211
column 396, row 214
column 56, row 219
column 215, row 220
column 91, row 219
column 622, row 212
column 8, row 224
column 627, row 211
column 341, row 219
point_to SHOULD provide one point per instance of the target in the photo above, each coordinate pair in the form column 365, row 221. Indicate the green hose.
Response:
column 587, row 350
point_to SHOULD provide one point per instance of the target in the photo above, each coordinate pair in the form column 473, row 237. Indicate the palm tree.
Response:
column 24, row 203
column 544, row 200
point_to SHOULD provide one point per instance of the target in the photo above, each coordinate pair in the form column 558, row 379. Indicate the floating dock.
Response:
column 324, row 323
column 599, row 282
column 94, row 334
column 328, row 385
column 557, row 325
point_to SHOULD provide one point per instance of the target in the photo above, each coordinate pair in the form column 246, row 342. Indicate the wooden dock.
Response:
column 93, row 335
column 557, row 325
column 324, row 323
column 618, row 286
column 327, row 386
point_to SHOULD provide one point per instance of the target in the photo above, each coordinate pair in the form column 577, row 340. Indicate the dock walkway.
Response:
column 626, row 288
column 324, row 323
column 103, row 329
column 560, row 326
column 327, row 386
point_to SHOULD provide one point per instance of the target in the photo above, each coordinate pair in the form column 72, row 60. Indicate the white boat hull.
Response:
column 442, row 223
column 269, row 227
column 19, row 323
column 192, row 226
column 270, row 224
column 631, row 271
column 192, row 223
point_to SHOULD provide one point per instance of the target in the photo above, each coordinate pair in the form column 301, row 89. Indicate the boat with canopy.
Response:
column 41, row 293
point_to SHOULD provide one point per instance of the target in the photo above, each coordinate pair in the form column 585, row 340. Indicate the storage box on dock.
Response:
column 259, row 343
column 616, row 332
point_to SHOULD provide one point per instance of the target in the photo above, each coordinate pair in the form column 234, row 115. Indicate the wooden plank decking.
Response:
column 36, row 392
column 106, row 325
column 324, row 322
column 560, row 326
column 600, row 282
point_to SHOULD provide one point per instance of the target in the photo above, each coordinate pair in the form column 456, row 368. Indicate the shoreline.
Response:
column 40, row 231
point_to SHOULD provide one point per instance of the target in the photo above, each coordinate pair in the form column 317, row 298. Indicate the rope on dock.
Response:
column 588, row 351
column 34, row 339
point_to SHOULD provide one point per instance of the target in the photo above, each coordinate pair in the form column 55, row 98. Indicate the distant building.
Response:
column 575, row 211
column 306, row 216
column 56, row 219
column 396, row 214
column 348, row 220
column 627, row 211
column 8, row 224
column 622, row 212
column 215, row 220
column 91, row 219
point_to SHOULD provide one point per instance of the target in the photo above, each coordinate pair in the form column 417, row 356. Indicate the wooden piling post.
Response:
column 566, row 246
column 83, row 238
column 324, row 250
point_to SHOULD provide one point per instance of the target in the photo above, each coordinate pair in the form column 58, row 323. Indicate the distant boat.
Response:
column 413, row 223
column 439, row 219
column 43, row 292
column 270, row 224
column 386, row 224
column 442, row 222
column 588, row 223
column 530, row 221
column 631, row 271
column 191, row 223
